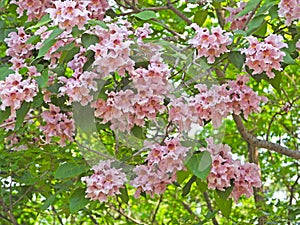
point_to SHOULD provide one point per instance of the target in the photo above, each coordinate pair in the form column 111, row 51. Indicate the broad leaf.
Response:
column 68, row 169
column 200, row 17
column 237, row 59
column 88, row 40
column 49, row 42
column 4, row 72
column 187, row 187
column 49, row 201
column 145, row 15
column 224, row 204
column 251, row 5
column 124, row 195
column 77, row 200
column 200, row 164
column 21, row 113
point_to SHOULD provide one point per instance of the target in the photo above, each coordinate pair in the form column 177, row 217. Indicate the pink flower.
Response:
column 68, row 14
column 226, row 170
column 14, row 91
column 106, row 181
column 237, row 23
column 210, row 45
column 35, row 9
column 162, row 164
column 79, row 87
column 290, row 10
column 265, row 56
column 58, row 125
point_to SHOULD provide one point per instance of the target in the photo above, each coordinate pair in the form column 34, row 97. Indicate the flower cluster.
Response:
column 265, row 56
column 237, row 23
column 97, row 9
column 57, row 125
column 17, row 46
column 112, row 52
column 215, row 103
column 226, row 170
column 14, row 91
column 124, row 109
column 210, row 45
column 106, row 181
column 162, row 164
column 78, row 87
column 35, row 9
column 290, row 10
column 68, row 14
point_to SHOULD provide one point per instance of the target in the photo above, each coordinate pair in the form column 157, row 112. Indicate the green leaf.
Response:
column 224, row 204
column 21, row 113
column 145, row 15
column 200, row 17
column 124, row 195
column 255, row 24
column 288, row 59
column 237, row 59
column 138, row 132
column 49, row 42
column 68, row 169
column 262, row 29
column 201, row 185
column 43, row 79
column 77, row 200
column 4, row 72
column 88, row 40
column 251, row 5
column 200, row 164
column 49, row 201
column 187, row 187
column 68, row 54
column 44, row 20
column 225, row 194
column 33, row 39
column 181, row 176
column 98, row 22
column 4, row 114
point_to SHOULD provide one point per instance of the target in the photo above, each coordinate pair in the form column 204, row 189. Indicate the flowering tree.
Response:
column 115, row 112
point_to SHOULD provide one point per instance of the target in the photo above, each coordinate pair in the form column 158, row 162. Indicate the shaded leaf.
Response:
column 200, row 164
column 224, row 204
column 124, row 195
column 200, row 17
column 49, row 201
column 67, row 170
column 4, row 114
column 77, row 200
column 187, row 187
column 49, row 42
column 89, row 39
column 21, row 113
column 138, row 132
column 4, row 72
column 251, row 5
column 237, row 59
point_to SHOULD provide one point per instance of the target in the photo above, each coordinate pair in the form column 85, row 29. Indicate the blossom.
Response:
column 215, row 103
column 97, row 9
column 57, row 125
column 35, row 9
column 17, row 46
column 79, row 87
column 14, row 91
column 265, row 56
column 226, row 172
column 163, row 162
column 68, row 14
column 210, row 44
column 290, row 10
column 106, row 181
column 237, row 23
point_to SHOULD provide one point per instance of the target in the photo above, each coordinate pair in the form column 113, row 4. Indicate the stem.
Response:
column 156, row 210
column 209, row 206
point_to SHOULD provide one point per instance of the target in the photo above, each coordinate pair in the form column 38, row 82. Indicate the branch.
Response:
column 8, row 212
column 180, row 14
column 209, row 206
column 262, row 143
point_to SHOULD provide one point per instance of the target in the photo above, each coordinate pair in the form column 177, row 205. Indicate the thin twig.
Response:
column 177, row 12
column 156, row 210
column 209, row 206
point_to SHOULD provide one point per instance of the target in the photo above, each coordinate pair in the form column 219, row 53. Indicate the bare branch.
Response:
column 180, row 14
column 209, row 206
column 156, row 210
column 262, row 143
